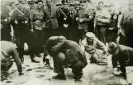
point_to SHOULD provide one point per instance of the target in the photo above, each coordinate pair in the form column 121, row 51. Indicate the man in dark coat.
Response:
column 64, row 19
column 51, row 19
column 121, row 54
column 127, row 24
column 6, row 29
column 66, row 53
column 19, row 21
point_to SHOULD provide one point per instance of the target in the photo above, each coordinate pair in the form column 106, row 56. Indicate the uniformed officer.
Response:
column 19, row 20
column 74, row 13
column 31, row 36
column 51, row 19
column 38, row 18
column 64, row 19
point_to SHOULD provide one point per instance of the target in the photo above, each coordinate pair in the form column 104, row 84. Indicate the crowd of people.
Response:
column 71, row 33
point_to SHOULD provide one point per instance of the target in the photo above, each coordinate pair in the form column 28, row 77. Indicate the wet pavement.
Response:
column 39, row 74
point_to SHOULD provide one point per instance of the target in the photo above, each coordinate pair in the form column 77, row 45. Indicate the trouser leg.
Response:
column 103, row 34
column 123, row 70
column 114, row 61
column 77, row 69
column 6, row 65
column 20, row 43
column 58, row 64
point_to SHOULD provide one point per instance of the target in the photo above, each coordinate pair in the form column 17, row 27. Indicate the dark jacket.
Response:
column 125, row 56
column 71, row 49
column 51, row 18
column 127, row 27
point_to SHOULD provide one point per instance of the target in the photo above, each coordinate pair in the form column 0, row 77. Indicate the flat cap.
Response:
column 30, row 1
column 90, row 35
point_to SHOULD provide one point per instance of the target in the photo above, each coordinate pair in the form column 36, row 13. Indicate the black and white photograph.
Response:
column 66, row 42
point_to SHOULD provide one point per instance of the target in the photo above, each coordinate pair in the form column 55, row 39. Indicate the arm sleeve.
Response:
column 101, row 46
column 31, row 18
column 16, row 59
column 127, row 57
column 13, row 17
column 57, row 48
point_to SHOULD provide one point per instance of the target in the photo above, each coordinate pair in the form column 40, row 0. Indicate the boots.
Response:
column 60, row 77
column 33, row 60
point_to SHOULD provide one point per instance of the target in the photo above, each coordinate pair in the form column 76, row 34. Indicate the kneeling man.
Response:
column 8, row 49
column 66, row 53
column 121, row 54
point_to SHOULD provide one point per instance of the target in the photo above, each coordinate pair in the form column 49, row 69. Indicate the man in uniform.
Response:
column 66, row 53
column 38, row 25
column 9, row 49
column 51, row 19
column 64, row 19
column 20, row 23
column 31, row 36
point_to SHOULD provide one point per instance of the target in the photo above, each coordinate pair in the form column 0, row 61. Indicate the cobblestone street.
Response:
column 39, row 74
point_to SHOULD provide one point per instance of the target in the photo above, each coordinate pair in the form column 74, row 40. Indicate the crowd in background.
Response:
column 33, row 22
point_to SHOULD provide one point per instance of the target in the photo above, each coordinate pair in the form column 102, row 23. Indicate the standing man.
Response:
column 19, row 21
column 31, row 36
column 83, row 20
column 51, row 28
column 64, row 19
column 127, row 24
column 38, row 18
column 101, row 23
column 5, row 23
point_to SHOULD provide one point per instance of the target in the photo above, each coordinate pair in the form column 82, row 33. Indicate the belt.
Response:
column 24, row 22
column 38, row 21
column 4, row 20
column 52, row 17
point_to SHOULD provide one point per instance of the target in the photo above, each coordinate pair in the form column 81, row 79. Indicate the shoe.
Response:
column 77, row 78
column 60, row 77
column 35, row 61
column 22, row 60
column 38, row 55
